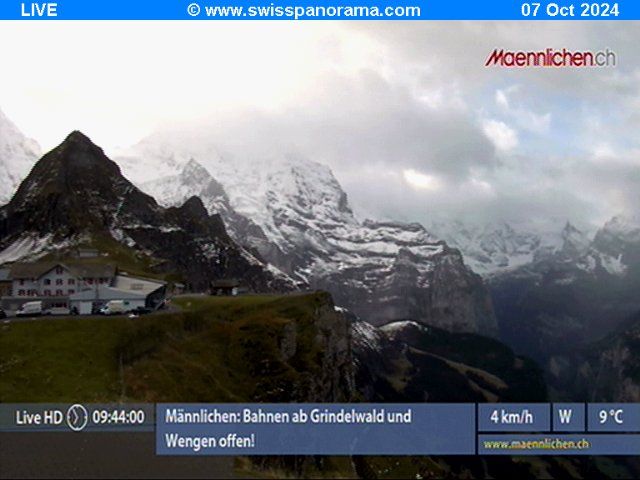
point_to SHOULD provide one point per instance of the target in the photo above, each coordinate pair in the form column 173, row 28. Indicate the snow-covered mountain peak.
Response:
column 619, row 241
column 293, row 212
column 625, row 228
column 574, row 242
column 17, row 156
column 496, row 248
column 273, row 191
column 492, row 247
column 194, row 170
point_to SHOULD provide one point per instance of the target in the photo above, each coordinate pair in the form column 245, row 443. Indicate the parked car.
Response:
column 114, row 307
column 3, row 314
column 57, row 311
column 30, row 309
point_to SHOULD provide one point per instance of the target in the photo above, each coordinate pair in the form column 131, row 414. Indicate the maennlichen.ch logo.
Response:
column 552, row 58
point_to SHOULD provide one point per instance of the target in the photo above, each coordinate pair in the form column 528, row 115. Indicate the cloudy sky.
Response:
column 412, row 123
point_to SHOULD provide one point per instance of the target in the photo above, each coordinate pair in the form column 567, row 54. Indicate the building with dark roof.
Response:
column 82, row 286
column 53, row 282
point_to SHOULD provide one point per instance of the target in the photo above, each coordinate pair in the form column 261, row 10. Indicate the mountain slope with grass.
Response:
column 216, row 349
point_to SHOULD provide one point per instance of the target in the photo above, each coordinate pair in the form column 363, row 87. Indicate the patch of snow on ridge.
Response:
column 30, row 247
column 395, row 327
column 613, row 265
column 366, row 336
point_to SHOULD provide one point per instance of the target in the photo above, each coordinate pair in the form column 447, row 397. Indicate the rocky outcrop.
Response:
column 331, row 340
column 460, row 298
column 434, row 291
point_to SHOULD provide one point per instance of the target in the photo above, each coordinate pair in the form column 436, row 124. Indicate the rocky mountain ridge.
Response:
column 299, row 219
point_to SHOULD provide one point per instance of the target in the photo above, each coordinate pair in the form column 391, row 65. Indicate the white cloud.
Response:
column 525, row 118
column 421, row 181
column 503, row 137
column 481, row 186
column 118, row 81
column 502, row 100
column 603, row 151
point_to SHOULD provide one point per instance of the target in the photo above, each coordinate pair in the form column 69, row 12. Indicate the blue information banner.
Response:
column 320, row 10
column 349, row 429
column 315, row 429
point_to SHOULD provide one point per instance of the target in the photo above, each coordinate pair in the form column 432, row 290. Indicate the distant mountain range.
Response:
column 550, row 292
column 495, row 248
column 573, row 294
column 295, row 215
column 556, row 291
